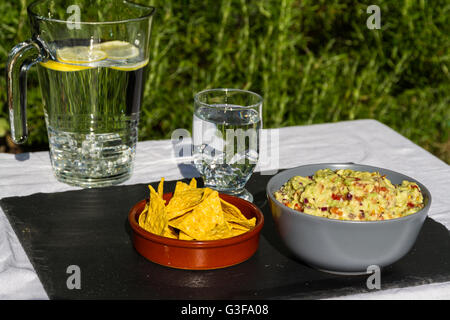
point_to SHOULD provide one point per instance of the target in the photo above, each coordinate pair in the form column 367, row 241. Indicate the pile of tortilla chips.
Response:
column 192, row 214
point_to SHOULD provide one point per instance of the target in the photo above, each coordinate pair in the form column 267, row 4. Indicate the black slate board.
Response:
column 89, row 228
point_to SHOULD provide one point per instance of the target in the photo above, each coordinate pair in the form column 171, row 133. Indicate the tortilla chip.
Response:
column 220, row 231
column 206, row 216
column 183, row 202
column 233, row 214
column 143, row 216
column 237, row 232
column 184, row 236
column 180, row 186
column 161, row 188
column 193, row 183
column 156, row 219
column 170, row 232
column 192, row 214
column 236, row 226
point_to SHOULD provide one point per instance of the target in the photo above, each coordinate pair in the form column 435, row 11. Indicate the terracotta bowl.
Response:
column 197, row 255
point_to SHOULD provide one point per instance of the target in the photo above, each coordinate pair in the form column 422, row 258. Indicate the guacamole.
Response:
column 350, row 195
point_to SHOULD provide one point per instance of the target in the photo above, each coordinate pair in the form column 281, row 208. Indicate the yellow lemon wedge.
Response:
column 73, row 58
column 118, row 50
column 131, row 66
column 58, row 66
column 80, row 54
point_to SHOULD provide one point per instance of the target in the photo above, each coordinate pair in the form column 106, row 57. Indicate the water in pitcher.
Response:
column 92, row 96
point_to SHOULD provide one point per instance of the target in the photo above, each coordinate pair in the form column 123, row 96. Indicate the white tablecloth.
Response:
column 362, row 141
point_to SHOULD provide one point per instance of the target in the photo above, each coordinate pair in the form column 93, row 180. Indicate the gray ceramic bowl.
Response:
column 341, row 246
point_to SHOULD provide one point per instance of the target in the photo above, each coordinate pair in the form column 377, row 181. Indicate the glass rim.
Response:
column 151, row 11
column 257, row 104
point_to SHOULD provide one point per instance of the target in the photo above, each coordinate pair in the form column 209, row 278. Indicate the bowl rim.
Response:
column 424, row 190
column 133, row 215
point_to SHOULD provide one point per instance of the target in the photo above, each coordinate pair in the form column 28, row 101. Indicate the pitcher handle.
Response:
column 20, row 59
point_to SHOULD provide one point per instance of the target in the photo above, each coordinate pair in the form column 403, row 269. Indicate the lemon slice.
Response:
column 80, row 54
column 118, row 50
column 58, row 66
column 131, row 66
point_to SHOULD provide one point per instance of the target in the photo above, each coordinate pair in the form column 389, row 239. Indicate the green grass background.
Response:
column 313, row 61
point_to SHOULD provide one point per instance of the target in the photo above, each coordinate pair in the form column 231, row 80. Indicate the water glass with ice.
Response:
column 226, row 138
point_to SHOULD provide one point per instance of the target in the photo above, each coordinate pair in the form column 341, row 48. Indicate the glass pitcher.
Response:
column 91, row 59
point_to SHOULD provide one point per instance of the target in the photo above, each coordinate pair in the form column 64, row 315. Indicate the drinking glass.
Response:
column 91, row 59
column 226, row 135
